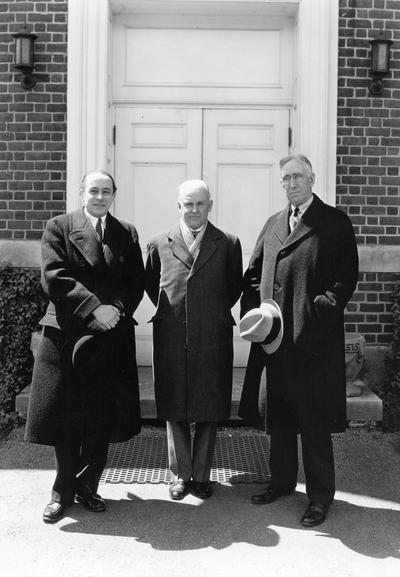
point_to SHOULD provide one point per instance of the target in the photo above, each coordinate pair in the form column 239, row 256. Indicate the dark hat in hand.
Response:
column 89, row 352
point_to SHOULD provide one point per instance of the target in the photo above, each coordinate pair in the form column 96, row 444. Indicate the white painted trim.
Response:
column 316, row 111
column 87, row 92
column 89, row 112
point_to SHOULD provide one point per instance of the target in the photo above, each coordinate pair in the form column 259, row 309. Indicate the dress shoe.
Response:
column 53, row 512
column 315, row 515
column 92, row 502
column 178, row 489
column 269, row 495
column 203, row 490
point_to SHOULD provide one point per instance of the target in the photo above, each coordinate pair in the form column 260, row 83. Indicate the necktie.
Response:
column 195, row 233
column 294, row 218
column 99, row 229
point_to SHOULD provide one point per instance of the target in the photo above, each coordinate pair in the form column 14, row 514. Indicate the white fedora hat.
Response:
column 263, row 325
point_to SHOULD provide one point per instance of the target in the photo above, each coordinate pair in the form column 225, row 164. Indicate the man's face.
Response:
column 194, row 204
column 296, row 182
column 97, row 195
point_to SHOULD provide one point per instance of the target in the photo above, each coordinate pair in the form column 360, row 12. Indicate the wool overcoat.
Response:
column 306, row 377
column 79, row 274
column 193, row 324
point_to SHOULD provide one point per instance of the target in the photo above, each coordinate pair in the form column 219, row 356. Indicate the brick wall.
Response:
column 368, row 154
column 33, row 139
column 32, row 123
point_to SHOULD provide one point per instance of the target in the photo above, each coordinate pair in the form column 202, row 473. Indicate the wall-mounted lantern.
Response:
column 25, row 56
column 380, row 63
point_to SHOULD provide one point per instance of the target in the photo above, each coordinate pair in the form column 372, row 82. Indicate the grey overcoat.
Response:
column 308, row 371
column 193, row 324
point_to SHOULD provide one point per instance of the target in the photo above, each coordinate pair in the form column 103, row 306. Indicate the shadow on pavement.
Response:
column 229, row 518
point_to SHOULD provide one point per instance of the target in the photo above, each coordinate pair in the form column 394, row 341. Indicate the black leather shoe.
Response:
column 203, row 490
column 92, row 502
column 315, row 515
column 269, row 495
column 53, row 512
column 178, row 489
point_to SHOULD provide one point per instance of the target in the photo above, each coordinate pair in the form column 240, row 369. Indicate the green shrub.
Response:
column 22, row 303
column 391, row 388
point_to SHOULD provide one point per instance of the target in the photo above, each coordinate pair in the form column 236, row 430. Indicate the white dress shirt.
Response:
column 293, row 221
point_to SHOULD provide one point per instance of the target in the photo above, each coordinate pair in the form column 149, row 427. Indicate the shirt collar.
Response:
column 184, row 226
column 302, row 207
column 93, row 219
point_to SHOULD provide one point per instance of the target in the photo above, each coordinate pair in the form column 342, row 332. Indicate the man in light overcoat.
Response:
column 193, row 277
column 305, row 259
column 85, row 386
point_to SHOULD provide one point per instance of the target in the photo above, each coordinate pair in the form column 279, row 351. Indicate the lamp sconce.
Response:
column 25, row 56
column 380, row 63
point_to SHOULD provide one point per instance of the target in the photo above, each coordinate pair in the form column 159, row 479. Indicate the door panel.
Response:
column 237, row 152
column 242, row 149
column 155, row 150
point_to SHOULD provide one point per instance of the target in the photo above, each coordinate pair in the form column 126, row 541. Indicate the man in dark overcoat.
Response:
column 306, row 260
column 85, row 387
column 193, row 277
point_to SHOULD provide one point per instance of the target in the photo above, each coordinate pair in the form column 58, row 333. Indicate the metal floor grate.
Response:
column 241, row 456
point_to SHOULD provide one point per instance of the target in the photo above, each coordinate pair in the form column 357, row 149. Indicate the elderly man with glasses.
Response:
column 306, row 260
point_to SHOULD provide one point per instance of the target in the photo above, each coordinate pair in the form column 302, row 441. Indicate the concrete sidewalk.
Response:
column 144, row 533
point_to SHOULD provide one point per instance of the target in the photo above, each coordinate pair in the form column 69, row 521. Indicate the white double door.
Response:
column 236, row 151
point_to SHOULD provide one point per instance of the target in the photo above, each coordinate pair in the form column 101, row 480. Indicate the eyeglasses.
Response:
column 289, row 177
column 95, row 191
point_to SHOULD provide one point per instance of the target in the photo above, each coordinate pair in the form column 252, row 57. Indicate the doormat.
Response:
column 241, row 456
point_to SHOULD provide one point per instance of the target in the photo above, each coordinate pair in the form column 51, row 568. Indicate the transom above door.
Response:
column 235, row 151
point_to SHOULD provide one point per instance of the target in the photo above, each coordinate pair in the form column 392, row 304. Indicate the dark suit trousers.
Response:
column 318, row 462
column 189, row 460
column 79, row 468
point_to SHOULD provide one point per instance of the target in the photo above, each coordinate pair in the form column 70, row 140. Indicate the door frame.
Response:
column 89, row 108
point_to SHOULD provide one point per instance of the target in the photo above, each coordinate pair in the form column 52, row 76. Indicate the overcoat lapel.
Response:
column 114, row 241
column 281, row 229
column 178, row 246
column 84, row 238
column 207, row 248
column 303, row 229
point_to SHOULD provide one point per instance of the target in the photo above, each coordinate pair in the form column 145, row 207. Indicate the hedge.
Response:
column 22, row 304
column 391, row 388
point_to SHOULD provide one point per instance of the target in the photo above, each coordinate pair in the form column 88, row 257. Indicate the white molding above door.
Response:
column 89, row 111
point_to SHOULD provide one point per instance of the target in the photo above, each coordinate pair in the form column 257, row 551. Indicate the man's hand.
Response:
column 326, row 301
column 105, row 317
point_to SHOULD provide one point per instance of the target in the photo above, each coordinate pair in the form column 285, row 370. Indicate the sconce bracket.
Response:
column 28, row 81
column 375, row 86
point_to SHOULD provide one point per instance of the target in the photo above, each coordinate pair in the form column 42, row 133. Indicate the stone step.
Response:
column 146, row 391
column 367, row 407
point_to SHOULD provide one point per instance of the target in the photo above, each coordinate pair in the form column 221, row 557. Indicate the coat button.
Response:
column 283, row 252
column 277, row 286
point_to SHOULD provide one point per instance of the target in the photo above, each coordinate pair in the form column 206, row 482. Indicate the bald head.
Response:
column 194, row 185
column 194, row 202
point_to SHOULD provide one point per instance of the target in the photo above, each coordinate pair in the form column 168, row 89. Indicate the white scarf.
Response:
column 191, row 242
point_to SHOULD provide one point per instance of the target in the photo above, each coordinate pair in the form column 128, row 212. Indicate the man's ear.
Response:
column 312, row 178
